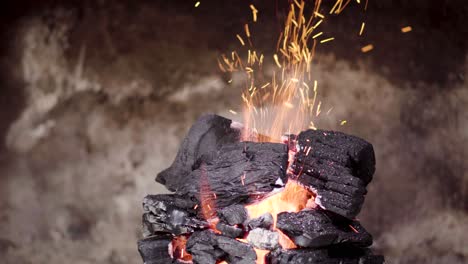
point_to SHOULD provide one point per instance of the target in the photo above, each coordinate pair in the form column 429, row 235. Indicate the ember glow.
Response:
column 293, row 198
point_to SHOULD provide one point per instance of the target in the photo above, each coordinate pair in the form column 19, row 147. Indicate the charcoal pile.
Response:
column 215, row 178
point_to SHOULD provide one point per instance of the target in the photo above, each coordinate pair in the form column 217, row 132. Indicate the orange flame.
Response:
column 293, row 198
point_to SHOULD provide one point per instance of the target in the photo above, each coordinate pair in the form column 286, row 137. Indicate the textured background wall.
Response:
column 96, row 97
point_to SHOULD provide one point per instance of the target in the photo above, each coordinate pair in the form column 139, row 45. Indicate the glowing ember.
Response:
column 406, row 29
column 367, row 48
column 178, row 248
column 293, row 198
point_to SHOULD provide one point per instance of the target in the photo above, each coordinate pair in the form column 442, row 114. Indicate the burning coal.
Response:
column 242, row 197
column 250, row 202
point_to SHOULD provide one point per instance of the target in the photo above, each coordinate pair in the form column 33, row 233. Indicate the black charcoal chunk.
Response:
column 323, row 256
column 318, row 228
column 233, row 215
column 264, row 221
column 344, row 205
column 207, row 134
column 238, row 173
column 230, row 231
column 346, row 150
column 169, row 213
column 325, row 171
column 155, row 250
column 337, row 167
column 206, row 247
column 263, row 239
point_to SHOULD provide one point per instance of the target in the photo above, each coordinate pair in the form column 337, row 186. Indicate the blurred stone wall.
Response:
column 97, row 97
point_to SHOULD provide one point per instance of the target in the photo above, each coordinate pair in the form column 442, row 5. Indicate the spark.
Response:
column 354, row 229
column 362, row 28
column 288, row 87
column 195, row 207
column 214, row 196
column 335, row 6
column 240, row 40
column 326, row 40
column 312, row 125
column 277, row 60
column 343, row 122
column 367, row 48
column 232, row 112
column 329, row 110
column 247, row 31
column 406, row 29
column 317, row 24
column 308, row 150
column 317, row 35
column 230, row 81
column 318, row 109
column 197, row 4
column 319, row 15
column 254, row 13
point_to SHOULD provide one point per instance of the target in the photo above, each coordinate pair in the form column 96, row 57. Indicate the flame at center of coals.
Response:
column 293, row 198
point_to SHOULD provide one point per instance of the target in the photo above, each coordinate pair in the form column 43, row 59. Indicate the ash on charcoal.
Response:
column 230, row 231
column 206, row 247
column 238, row 173
column 323, row 256
column 170, row 213
column 263, row 239
column 207, row 134
column 264, row 221
column 155, row 249
column 233, row 215
column 318, row 228
column 337, row 167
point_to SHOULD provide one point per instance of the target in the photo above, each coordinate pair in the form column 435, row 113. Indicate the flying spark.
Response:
column 362, row 28
column 367, row 48
column 254, row 13
column 326, row 40
column 406, row 29
column 240, row 40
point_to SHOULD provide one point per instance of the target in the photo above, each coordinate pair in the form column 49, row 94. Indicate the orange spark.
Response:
column 362, row 28
column 326, row 40
column 406, row 29
column 240, row 40
column 367, row 48
column 254, row 13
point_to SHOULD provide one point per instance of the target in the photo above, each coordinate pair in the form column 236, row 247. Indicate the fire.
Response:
column 283, row 105
column 293, row 198
column 178, row 248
